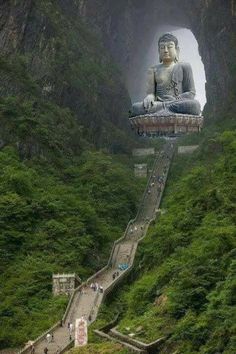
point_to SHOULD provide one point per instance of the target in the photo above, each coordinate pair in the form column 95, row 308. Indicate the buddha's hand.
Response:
column 148, row 101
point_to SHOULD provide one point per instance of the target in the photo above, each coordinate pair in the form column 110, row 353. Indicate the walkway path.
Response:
column 85, row 301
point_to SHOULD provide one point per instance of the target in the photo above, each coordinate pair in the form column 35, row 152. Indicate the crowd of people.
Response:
column 96, row 287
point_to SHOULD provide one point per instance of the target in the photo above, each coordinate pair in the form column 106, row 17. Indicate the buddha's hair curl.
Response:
column 168, row 37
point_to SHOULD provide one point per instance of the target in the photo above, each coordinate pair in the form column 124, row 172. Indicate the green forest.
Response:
column 67, row 187
column 184, row 285
column 67, row 191
column 56, row 220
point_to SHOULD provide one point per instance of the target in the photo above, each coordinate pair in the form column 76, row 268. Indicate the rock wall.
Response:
column 48, row 44
column 41, row 34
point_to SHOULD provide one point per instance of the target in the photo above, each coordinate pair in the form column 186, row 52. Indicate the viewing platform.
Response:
column 166, row 125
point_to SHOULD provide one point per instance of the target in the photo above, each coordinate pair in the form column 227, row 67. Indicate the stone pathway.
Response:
column 86, row 301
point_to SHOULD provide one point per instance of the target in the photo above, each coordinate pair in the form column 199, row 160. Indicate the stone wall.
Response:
column 64, row 283
column 187, row 149
column 140, row 170
column 143, row 152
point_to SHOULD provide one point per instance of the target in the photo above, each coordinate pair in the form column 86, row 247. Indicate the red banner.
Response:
column 81, row 332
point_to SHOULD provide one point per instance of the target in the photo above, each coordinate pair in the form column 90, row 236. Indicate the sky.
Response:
column 189, row 53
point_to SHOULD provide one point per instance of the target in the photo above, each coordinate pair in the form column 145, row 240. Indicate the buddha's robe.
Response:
column 174, row 94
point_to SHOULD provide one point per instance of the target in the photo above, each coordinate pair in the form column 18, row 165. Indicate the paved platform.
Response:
column 153, row 124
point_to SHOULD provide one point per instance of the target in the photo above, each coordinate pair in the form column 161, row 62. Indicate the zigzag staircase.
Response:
column 87, row 302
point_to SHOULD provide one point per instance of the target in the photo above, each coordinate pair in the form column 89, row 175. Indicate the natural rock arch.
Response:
column 128, row 28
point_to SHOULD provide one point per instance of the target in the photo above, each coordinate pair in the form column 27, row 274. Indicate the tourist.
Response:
column 32, row 350
column 101, row 289
column 71, row 328
column 48, row 337
column 114, row 276
column 92, row 286
column 45, row 350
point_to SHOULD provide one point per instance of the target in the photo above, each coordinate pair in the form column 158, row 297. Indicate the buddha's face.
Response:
column 167, row 52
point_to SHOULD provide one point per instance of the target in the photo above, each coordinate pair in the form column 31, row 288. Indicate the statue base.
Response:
column 173, row 124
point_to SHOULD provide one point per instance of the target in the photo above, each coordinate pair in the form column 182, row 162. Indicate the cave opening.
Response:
column 147, row 56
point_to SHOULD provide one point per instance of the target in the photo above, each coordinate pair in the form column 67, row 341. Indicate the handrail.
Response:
column 131, row 251
column 147, row 186
column 114, row 259
column 76, row 290
column 120, row 239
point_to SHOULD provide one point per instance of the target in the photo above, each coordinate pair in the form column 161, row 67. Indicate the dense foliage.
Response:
column 104, row 348
column 186, row 287
column 55, row 221
column 61, row 61
column 63, row 198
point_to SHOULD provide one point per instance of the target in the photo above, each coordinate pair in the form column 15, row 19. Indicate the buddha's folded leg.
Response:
column 185, row 107
column 138, row 108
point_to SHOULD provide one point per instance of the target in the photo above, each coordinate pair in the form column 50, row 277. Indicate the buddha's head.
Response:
column 168, row 49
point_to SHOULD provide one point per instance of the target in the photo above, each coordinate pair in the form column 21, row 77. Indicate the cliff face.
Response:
column 128, row 29
column 57, row 45
column 49, row 55
column 61, row 97
column 13, row 24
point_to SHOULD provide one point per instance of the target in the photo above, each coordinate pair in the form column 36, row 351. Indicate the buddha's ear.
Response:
column 177, row 55
column 160, row 60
